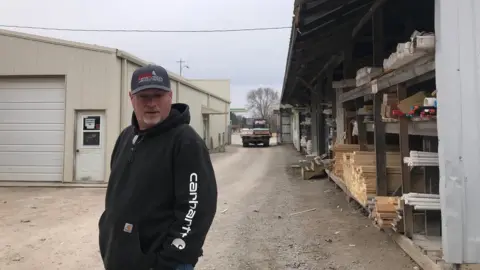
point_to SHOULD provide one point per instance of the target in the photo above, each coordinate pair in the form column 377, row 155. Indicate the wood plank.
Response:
column 414, row 252
column 410, row 71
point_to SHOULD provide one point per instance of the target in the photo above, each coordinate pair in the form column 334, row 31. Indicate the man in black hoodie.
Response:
column 162, row 193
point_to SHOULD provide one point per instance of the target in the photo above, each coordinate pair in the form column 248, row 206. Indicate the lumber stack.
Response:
column 384, row 212
column 361, row 177
column 397, row 223
column 339, row 150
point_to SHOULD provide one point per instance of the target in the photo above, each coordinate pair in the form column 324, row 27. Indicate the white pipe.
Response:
column 421, row 195
column 420, row 207
column 421, row 201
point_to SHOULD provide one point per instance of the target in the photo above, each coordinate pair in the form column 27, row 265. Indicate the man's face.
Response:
column 151, row 106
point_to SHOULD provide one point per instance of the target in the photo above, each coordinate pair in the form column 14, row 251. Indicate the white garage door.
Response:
column 32, row 113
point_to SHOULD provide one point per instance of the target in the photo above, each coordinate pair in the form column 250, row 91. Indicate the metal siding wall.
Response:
column 93, row 81
column 457, row 67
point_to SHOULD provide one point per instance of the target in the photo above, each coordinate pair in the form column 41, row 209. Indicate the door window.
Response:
column 91, row 131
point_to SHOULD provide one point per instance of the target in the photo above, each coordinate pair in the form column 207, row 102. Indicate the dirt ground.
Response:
column 57, row 228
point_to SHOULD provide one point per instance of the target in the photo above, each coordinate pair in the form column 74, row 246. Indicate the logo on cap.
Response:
column 149, row 77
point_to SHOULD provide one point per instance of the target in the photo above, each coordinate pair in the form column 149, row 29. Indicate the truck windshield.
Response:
column 260, row 124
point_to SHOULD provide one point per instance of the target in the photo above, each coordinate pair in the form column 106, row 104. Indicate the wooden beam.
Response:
column 367, row 16
column 305, row 83
column 421, row 128
column 329, row 45
column 380, row 147
column 408, row 220
column 414, row 252
column 331, row 22
column 334, row 61
column 362, row 130
column 414, row 70
column 378, row 38
column 344, row 83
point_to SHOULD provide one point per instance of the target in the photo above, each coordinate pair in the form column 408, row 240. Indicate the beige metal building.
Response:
column 63, row 104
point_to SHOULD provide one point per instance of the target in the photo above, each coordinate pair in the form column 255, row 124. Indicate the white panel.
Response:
column 32, row 95
column 457, row 30
column 34, row 159
column 31, row 127
column 32, row 116
column 31, row 137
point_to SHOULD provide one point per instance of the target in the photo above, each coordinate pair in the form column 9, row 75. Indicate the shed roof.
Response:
column 119, row 53
column 320, row 30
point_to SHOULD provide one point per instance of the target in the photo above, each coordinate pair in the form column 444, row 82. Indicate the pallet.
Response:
column 316, row 169
column 313, row 167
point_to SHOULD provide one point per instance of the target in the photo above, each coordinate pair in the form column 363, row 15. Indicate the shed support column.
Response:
column 362, row 130
column 378, row 37
column 314, row 119
column 340, row 118
column 348, row 73
column 380, row 147
column 321, row 118
column 406, row 175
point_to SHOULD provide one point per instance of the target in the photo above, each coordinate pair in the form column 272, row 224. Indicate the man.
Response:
column 162, row 194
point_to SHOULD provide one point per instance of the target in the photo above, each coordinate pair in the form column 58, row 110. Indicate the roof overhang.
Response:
column 207, row 110
column 320, row 32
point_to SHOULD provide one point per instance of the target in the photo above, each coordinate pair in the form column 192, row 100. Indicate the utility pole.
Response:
column 181, row 62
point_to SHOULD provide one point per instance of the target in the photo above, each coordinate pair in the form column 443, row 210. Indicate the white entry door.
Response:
column 90, row 146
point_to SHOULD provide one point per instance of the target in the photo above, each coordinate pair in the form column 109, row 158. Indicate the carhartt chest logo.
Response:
column 128, row 228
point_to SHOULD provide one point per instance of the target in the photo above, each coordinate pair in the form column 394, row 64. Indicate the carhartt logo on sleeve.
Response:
column 192, row 188
column 128, row 228
column 179, row 243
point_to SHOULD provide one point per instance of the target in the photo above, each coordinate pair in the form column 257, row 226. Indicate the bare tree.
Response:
column 262, row 101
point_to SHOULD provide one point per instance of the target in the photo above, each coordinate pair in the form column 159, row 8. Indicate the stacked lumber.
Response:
column 397, row 223
column 361, row 178
column 384, row 212
column 339, row 150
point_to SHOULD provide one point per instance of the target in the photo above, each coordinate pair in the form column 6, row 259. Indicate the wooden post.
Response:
column 362, row 129
column 408, row 221
column 380, row 146
column 348, row 73
column 378, row 37
column 321, row 117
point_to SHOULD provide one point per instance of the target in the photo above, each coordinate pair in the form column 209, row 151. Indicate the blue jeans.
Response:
column 185, row 267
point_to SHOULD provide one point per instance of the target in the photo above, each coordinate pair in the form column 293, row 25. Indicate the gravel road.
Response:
column 57, row 228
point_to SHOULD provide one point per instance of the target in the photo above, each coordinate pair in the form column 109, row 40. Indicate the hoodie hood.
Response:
column 179, row 115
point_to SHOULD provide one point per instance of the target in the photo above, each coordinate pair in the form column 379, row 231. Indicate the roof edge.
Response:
column 90, row 47
column 173, row 76
column 56, row 41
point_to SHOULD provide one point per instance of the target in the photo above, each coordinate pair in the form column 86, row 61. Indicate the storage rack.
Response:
column 399, row 80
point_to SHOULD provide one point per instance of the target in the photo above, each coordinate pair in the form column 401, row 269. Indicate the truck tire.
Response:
column 266, row 143
column 245, row 144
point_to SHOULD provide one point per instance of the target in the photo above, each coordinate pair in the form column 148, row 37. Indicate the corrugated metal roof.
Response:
column 102, row 49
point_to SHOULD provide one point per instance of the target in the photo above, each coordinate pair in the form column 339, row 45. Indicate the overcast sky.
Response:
column 248, row 59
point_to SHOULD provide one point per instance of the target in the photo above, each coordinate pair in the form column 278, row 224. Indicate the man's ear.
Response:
column 130, row 95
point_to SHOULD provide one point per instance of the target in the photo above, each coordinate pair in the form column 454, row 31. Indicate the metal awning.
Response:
column 206, row 110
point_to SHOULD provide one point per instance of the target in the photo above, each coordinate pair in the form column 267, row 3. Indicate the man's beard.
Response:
column 152, row 121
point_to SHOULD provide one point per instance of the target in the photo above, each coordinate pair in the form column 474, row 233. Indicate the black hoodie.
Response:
column 161, row 197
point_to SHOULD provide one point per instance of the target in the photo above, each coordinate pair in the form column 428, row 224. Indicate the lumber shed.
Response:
column 361, row 83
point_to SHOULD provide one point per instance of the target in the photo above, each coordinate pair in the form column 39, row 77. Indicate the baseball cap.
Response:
column 150, row 77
